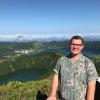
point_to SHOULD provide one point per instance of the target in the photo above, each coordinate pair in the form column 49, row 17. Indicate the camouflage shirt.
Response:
column 74, row 77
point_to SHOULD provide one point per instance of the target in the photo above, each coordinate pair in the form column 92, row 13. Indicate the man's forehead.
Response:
column 77, row 40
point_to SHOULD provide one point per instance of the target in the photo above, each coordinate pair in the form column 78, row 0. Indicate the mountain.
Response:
column 29, row 38
column 93, row 37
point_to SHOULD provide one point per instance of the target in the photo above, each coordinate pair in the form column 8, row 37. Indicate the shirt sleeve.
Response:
column 91, row 71
column 58, row 65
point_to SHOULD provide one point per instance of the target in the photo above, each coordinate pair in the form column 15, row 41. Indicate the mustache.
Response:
column 75, row 49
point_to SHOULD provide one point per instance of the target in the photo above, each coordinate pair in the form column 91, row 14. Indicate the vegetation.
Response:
column 8, row 48
column 96, row 60
column 45, row 60
column 25, row 91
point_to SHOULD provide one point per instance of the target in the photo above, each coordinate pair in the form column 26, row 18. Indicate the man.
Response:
column 77, row 74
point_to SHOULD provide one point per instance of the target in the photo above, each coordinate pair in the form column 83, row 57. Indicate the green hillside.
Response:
column 42, row 61
column 96, row 60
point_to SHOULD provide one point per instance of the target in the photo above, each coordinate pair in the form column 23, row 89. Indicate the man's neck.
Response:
column 74, row 58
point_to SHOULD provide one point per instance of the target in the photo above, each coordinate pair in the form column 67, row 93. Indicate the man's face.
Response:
column 76, row 46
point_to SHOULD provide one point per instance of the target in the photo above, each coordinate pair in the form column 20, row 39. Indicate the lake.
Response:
column 22, row 75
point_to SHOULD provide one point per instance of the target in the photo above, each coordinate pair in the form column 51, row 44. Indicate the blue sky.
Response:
column 49, row 17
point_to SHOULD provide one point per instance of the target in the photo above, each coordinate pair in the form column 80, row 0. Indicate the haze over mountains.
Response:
column 44, row 38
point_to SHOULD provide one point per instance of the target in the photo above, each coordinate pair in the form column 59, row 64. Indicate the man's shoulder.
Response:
column 88, row 60
column 62, row 57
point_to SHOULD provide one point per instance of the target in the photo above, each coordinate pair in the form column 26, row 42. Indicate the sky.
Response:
column 49, row 17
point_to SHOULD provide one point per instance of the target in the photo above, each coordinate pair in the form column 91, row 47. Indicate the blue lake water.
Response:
column 21, row 75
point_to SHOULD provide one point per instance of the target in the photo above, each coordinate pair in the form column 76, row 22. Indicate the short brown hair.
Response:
column 77, row 37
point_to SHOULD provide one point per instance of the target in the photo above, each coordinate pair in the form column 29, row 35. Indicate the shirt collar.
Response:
column 82, row 57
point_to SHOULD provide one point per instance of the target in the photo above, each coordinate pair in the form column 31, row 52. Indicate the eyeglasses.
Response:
column 73, row 44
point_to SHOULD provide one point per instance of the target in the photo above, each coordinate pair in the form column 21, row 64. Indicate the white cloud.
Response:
column 33, row 37
column 41, row 37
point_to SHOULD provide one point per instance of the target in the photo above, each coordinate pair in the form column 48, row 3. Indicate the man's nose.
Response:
column 75, row 46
